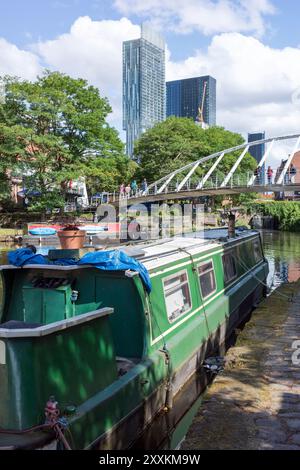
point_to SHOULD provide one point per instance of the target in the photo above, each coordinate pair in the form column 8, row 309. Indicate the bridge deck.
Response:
column 195, row 193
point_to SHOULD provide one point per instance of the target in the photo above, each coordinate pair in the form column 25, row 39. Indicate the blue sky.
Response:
column 250, row 46
column 23, row 22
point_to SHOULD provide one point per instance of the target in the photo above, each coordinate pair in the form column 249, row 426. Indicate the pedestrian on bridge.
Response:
column 269, row 174
column 127, row 190
column 293, row 172
column 122, row 191
column 144, row 186
column 257, row 174
column 134, row 188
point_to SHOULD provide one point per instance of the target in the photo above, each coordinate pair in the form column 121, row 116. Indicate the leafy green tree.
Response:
column 286, row 213
column 10, row 147
column 109, row 173
column 178, row 141
column 55, row 130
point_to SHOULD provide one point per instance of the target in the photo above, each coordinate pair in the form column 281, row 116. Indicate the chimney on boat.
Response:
column 231, row 225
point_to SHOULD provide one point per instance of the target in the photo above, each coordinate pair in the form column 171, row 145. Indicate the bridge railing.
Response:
column 218, row 181
column 214, row 182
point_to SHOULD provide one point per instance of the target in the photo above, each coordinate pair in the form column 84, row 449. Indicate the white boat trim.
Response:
column 204, row 304
column 56, row 326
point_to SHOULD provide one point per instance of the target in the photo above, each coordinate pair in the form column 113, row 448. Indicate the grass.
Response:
column 10, row 232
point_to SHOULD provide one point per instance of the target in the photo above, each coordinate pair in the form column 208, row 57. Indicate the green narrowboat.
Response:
column 88, row 358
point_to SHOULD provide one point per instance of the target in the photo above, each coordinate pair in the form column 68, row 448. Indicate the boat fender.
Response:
column 51, row 411
column 56, row 422
column 169, row 387
column 214, row 364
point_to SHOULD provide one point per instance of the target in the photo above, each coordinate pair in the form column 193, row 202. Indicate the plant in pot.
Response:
column 71, row 237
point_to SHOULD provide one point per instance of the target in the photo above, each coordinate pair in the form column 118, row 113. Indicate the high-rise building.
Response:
column 184, row 98
column 258, row 151
column 144, row 88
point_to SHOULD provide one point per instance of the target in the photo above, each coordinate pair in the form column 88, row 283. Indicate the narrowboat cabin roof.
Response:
column 165, row 251
column 168, row 250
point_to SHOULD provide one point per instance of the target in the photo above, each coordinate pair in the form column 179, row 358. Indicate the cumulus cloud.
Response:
column 18, row 62
column 207, row 16
column 256, row 84
column 92, row 50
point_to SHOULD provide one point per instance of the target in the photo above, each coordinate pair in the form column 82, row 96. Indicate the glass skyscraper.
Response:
column 144, row 88
column 258, row 151
column 184, row 97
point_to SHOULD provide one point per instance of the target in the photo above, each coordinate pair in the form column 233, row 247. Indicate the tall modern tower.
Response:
column 184, row 97
column 144, row 88
column 257, row 151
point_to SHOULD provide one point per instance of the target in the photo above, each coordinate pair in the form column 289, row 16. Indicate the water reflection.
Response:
column 282, row 250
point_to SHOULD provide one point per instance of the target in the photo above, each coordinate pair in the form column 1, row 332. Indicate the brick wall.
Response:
column 296, row 163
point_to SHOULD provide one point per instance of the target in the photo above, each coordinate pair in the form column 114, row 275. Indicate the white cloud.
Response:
column 18, row 62
column 256, row 84
column 206, row 16
column 92, row 50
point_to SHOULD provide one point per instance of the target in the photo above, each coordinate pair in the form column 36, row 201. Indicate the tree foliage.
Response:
column 286, row 213
column 54, row 130
column 178, row 141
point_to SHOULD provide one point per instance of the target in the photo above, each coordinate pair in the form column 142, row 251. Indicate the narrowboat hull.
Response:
column 115, row 402
column 132, row 428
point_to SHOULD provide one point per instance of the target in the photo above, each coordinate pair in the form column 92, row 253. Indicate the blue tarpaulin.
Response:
column 113, row 260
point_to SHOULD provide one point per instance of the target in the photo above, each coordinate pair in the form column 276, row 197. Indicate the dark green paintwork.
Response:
column 74, row 364
column 79, row 366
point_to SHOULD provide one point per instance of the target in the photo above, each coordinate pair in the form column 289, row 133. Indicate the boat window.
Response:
column 177, row 295
column 229, row 267
column 257, row 251
column 207, row 278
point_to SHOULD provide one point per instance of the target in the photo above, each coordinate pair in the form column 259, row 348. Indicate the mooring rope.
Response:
column 200, row 295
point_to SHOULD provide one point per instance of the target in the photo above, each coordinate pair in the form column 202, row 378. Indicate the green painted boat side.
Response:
column 79, row 365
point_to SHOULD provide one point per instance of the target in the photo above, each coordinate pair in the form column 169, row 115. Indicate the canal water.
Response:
column 282, row 250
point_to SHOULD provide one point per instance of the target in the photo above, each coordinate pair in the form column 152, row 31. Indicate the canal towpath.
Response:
column 255, row 402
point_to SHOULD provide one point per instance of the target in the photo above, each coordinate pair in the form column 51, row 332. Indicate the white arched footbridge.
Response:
column 184, row 183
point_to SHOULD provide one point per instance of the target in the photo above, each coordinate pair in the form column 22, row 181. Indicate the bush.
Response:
column 286, row 213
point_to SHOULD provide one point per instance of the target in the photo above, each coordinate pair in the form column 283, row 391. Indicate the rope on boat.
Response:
column 200, row 296
column 56, row 422
column 42, row 427
column 53, row 422
column 166, row 352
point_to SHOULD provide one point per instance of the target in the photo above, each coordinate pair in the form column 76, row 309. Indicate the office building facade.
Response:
column 258, row 151
column 184, row 97
column 144, row 88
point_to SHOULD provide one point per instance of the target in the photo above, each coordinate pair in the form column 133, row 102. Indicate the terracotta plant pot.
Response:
column 71, row 239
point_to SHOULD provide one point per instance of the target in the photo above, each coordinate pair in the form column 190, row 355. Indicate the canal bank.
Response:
column 255, row 402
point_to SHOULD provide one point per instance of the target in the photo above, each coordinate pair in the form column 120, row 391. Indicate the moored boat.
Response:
column 42, row 231
column 100, row 354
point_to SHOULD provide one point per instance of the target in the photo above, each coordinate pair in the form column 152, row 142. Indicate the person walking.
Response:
column 293, row 172
column 127, row 190
column 122, row 191
column 257, row 172
column 269, row 175
column 134, row 188
column 144, row 186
